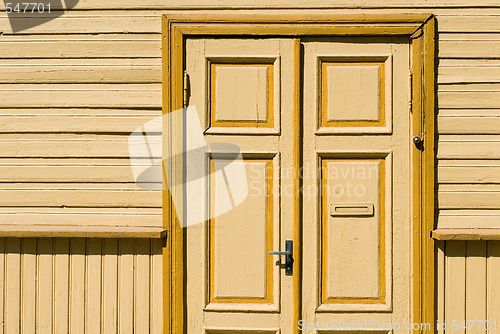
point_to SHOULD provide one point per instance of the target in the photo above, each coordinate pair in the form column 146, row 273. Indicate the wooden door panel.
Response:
column 356, row 151
column 241, row 88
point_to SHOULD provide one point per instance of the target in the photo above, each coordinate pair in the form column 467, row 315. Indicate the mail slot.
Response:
column 354, row 209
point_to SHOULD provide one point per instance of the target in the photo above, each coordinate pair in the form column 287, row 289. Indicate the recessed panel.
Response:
column 353, row 250
column 241, row 271
column 353, row 94
column 242, row 95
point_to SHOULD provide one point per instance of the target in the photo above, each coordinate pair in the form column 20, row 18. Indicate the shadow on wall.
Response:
column 24, row 14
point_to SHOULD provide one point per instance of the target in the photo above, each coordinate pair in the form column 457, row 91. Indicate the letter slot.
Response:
column 352, row 209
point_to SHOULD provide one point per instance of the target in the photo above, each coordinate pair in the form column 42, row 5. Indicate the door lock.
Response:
column 288, row 253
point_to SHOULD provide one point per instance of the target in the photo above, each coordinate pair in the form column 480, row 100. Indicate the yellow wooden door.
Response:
column 357, row 227
column 355, row 177
column 243, row 93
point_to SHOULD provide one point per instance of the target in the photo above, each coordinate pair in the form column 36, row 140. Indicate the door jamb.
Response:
column 176, row 27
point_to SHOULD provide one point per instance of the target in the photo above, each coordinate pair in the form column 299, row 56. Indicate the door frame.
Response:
column 420, row 28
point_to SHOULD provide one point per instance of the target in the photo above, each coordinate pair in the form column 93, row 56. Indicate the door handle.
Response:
column 288, row 253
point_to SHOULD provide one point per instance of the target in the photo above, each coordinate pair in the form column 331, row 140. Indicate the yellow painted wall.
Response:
column 73, row 88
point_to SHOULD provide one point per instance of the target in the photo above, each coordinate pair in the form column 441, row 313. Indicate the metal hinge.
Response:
column 185, row 95
column 410, row 90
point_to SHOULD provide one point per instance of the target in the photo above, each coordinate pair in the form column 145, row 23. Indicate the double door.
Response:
column 306, row 189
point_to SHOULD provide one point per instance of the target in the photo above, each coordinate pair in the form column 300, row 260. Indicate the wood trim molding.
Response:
column 79, row 231
column 466, row 234
column 177, row 26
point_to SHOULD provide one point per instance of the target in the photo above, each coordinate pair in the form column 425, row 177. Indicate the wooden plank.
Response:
column 81, row 95
column 469, row 200
column 464, row 112
column 71, row 147
column 469, row 23
column 71, row 124
column 83, row 46
column 460, row 173
column 28, row 292
column 43, row 71
column 126, row 286
column 93, row 296
column 62, row 290
column 77, row 287
column 114, row 174
column 475, row 279
column 485, row 48
column 81, row 198
column 468, row 125
column 45, row 283
column 455, row 283
column 493, row 293
column 450, row 147
column 82, row 216
column 81, row 22
column 456, row 99
column 156, row 291
column 463, row 218
column 12, row 286
column 468, row 74
column 466, row 234
column 109, row 287
column 441, row 284
column 47, row 231
column 143, row 112
column 142, row 286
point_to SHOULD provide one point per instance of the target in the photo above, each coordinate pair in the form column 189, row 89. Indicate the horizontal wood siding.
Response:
column 72, row 91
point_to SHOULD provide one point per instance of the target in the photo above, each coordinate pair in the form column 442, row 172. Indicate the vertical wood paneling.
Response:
column 28, row 289
column 61, row 285
column 13, row 285
column 45, row 286
column 78, row 285
column 441, row 285
column 142, row 285
column 468, row 273
column 156, row 318
column 126, row 287
column 109, row 286
column 94, row 286
column 475, row 280
column 493, row 299
column 455, row 278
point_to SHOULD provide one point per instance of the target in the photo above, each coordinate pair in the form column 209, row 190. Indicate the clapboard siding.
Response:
column 72, row 124
column 80, row 46
column 105, row 146
column 55, row 285
column 85, row 22
column 467, row 284
column 103, row 70
column 468, row 171
column 469, row 196
column 81, row 95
